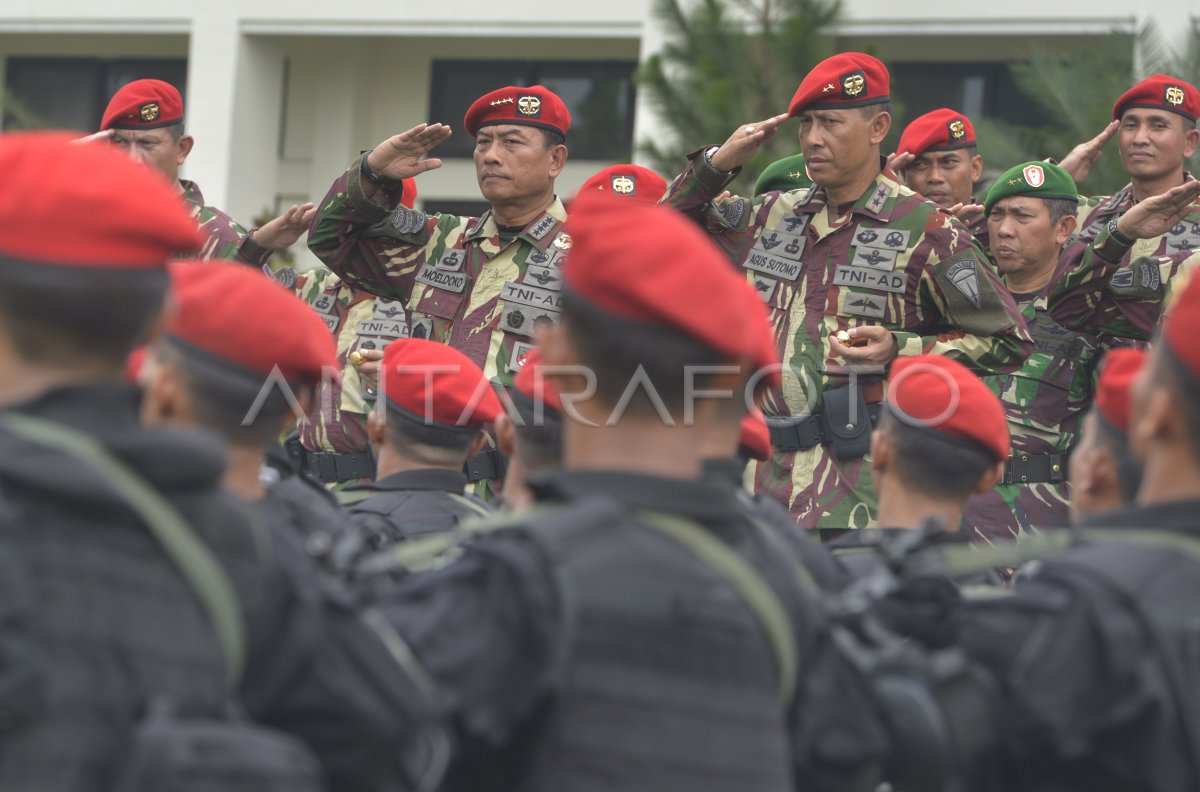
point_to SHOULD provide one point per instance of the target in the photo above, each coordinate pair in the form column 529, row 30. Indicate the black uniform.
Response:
column 829, row 575
column 1096, row 652
column 309, row 506
column 586, row 650
column 115, row 626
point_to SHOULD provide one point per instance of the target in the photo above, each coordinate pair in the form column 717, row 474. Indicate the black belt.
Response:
column 1036, row 469
column 489, row 465
column 804, row 433
column 332, row 468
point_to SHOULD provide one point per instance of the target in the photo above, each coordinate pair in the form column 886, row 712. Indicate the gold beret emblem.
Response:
column 529, row 105
column 1174, row 95
column 622, row 185
column 854, row 85
column 150, row 112
column 958, row 130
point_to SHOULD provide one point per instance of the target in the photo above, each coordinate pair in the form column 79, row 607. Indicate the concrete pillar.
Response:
column 235, row 110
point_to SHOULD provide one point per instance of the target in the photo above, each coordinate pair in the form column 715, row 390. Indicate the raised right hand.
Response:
column 1081, row 159
column 399, row 157
column 745, row 142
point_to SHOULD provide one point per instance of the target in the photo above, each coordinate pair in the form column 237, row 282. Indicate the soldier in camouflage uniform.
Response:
column 1031, row 215
column 938, row 159
column 480, row 284
column 861, row 253
column 145, row 118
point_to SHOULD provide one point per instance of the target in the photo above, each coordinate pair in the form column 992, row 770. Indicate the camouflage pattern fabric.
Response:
column 223, row 237
column 893, row 259
column 1044, row 400
column 1104, row 293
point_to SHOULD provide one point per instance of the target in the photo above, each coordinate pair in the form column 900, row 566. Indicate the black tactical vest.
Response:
column 667, row 680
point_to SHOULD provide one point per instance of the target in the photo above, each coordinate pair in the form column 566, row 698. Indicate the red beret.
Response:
column 436, row 384
column 143, row 104
column 939, row 130
column 1161, row 92
column 132, row 371
column 244, row 317
column 1181, row 326
column 651, row 265
column 528, row 382
column 409, row 195
column 628, row 181
column 86, row 205
column 755, row 440
column 535, row 106
column 1121, row 367
column 934, row 392
column 850, row 79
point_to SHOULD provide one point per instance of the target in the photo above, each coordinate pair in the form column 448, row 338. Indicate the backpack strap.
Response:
column 755, row 591
column 188, row 552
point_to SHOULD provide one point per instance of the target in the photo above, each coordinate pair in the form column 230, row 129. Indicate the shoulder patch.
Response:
column 972, row 300
column 408, row 221
column 284, row 276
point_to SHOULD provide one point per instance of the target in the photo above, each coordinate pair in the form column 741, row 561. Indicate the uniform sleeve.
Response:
column 317, row 670
column 1066, row 667
column 965, row 313
column 487, row 628
column 730, row 223
column 373, row 248
column 1081, row 299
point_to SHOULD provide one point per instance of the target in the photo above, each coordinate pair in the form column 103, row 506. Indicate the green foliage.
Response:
column 16, row 115
column 729, row 63
column 1075, row 92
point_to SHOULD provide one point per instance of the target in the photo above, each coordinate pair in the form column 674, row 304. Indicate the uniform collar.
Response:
column 876, row 202
column 191, row 192
column 1177, row 515
column 555, row 215
column 425, row 479
column 696, row 499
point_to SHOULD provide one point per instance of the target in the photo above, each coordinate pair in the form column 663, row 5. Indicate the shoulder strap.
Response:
column 473, row 505
column 756, row 593
column 194, row 560
column 352, row 497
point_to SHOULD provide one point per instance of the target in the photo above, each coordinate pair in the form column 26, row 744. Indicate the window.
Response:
column 977, row 90
column 599, row 94
column 71, row 93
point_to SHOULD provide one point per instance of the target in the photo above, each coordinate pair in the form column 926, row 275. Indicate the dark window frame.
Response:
column 532, row 73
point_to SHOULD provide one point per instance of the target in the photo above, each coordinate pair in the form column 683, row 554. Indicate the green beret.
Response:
column 785, row 174
column 1039, row 179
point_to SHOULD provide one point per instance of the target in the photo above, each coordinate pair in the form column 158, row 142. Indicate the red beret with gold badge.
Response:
column 434, row 384
column 937, row 393
column 535, row 106
column 849, row 79
column 86, row 205
column 939, row 130
column 627, row 181
column 1161, row 92
column 143, row 104
column 243, row 317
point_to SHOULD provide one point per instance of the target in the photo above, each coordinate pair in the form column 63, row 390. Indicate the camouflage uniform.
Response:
column 458, row 280
column 223, row 237
column 893, row 259
column 1044, row 400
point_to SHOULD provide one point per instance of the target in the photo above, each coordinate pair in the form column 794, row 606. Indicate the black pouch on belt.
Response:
column 847, row 423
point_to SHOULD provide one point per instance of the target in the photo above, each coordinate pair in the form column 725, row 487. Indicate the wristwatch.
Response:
column 365, row 169
column 708, row 153
column 1117, row 236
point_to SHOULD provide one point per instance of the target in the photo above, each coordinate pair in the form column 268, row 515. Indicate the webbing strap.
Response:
column 746, row 581
column 188, row 552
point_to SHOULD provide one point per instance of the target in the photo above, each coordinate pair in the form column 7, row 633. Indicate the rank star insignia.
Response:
column 795, row 175
column 958, row 130
column 623, row 185
column 854, row 84
column 150, row 111
column 529, row 106
column 829, row 87
column 1173, row 95
column 505, row 100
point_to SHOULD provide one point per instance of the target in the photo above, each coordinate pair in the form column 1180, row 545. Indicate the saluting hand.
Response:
column 1153, row 216
column 965, row 212
column 285, row 230
column 399, row 157
column 1081, row 159
column 103, row 136
column 897, row 161
column 745, row 142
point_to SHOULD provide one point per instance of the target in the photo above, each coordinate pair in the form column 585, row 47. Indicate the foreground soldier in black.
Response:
column 1096, row 651
column 104, row 627
column 609, row 639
